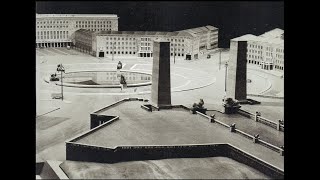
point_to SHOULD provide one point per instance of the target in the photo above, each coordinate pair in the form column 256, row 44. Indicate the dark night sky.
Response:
column 232, row 18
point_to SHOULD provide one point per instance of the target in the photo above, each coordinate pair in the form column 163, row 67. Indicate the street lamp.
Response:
column 61, row 69
column 219, row 59
column 225, row 81
column 113, row 49
column 174, row 56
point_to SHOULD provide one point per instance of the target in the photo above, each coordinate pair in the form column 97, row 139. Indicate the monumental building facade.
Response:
column 57, row 30
column 186, row 44
column 98, row 35
column 266, row 50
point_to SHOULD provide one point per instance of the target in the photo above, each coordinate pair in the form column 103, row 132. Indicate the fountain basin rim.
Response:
column 104, row 86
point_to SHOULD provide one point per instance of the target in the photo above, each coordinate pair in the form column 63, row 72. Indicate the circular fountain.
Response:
column 104, row 79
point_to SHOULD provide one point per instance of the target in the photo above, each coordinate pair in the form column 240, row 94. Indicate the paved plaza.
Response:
column 59, row 121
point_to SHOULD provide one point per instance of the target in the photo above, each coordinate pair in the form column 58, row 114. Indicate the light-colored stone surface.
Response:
column 53, row 129
column 183, row 168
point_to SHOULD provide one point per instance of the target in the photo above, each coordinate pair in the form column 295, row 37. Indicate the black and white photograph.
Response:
column 159, row 89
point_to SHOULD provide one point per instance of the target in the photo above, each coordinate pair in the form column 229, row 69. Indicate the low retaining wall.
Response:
column 39, row 166
column 252, row 161
column 82, row 152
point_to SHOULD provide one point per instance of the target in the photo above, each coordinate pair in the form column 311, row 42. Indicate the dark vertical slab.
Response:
column 161, row 83
column 237, row 71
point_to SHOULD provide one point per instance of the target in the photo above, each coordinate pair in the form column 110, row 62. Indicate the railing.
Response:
column 246, row 135
column 260, row 119
column 267, row 122
column 265, row 96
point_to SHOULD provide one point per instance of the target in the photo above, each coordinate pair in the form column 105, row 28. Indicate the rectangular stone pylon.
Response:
column 237, row 71
column 161, row 83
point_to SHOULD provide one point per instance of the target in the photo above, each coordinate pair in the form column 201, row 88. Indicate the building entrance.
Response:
column 101, row 54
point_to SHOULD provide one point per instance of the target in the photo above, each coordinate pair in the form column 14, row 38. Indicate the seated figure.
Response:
column 199, row 107
column 119, row 66
column 123, row 82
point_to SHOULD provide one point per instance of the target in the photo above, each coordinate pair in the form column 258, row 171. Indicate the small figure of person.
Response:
column 119, row 66
column 123, row 83
column 201, row 103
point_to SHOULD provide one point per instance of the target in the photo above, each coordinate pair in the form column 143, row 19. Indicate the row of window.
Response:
column 145, row 44
column 279, row 62
column 52, row 22
column 255, row 46
column 175, row 40
column 177, row 49
column 133, row 52
column 60, row 26
column 278, row 67
column 120, row 47
column 254, row 56
column 255, row 51
column 52, row 35
column 133, row 43
column 279, row 50
column 114, row 38
column 279, row 56
column 269, row 49
column 145, row 48
column 176, row 44
column 93, row 26
column 123, row 43
column 93, row 22
column 145, row 39
column 176, row 54
column 122, row 52
column 142, row 39
column 254, row 62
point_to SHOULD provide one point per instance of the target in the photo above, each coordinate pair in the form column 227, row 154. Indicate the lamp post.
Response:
column 174, row 56
column 113, row 49
column 219, row 59
column 225, row 81
column 61, row 69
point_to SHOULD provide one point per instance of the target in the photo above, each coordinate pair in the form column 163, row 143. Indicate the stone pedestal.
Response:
column 231, row 109
column 161, row 83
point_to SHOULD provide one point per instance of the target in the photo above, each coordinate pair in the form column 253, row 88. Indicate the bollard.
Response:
column 212, row 117
column 256, row 138
column 281, row 150
column 257, row 116
column 233, row 127
column 278, row 124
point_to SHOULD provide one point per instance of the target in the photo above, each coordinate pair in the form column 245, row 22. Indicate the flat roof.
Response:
column 199, row 30
column 144, row 33
column 177, row 126
column 77, row 15
column 277, row 32
column 253, row 38
column 273, row 37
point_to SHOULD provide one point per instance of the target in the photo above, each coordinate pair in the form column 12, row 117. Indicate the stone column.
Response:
column 161, row 83
column 237, row 70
